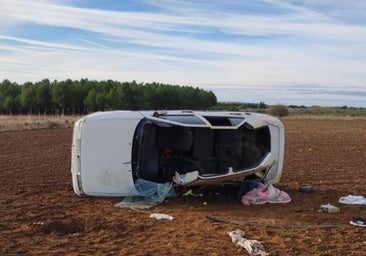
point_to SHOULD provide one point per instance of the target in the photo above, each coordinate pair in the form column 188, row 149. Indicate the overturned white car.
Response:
column 111, row 150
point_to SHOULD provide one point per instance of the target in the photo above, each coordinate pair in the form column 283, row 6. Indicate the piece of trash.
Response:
column 161, row 216
column 328, row 208
column 205, row 203
column 149, row 194
column 38, row 223
column 358, row 221
column 186, row 178
column 265, row 193
column 306, row 189
column 189, row 193
column 353, row 199
column 253, row 247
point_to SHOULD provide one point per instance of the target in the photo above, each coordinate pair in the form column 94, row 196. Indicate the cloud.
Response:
column 267, row 42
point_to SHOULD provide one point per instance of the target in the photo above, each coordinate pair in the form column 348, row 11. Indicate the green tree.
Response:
column 75, row 97
column 61, row 94
column 28, row 97
column 12, row 105
column 90, row 101
column 78, row 92
column 130, row 96
column 43, row 96
column 9, row 97
column 101, row 101
column 151, row 100
column 262, row 105
column 114, row 99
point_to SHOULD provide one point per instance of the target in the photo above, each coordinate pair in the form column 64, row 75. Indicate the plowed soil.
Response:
column 41, row 215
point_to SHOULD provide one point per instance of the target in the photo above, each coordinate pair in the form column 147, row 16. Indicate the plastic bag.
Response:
column 149, row 195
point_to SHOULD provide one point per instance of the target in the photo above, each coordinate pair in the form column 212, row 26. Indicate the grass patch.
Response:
column 31, row 122
column 329, row 111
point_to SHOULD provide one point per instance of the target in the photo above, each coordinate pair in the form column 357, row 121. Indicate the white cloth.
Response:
column 352, row 199
column 253, row 247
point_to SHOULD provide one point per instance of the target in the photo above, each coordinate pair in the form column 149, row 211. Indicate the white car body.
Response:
column 110, row 150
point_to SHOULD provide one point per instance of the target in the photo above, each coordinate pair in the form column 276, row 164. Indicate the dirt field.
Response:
column 41, row 215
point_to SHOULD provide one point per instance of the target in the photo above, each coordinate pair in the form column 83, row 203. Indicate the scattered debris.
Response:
column 150, row 195
column 328, row 208
column 190, row 193
column 161, row 216
column 137, row 202
column 183, row 179
column 265, row 193
column 254, row 247
column 352, row 199
column 306, row 189
column 38, row 223
column 358, row 221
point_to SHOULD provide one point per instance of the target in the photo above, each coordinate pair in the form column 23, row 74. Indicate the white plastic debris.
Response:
column 161, row 216
column 186, row 178
column 328, row 208
column 253, row 247
column 38, row 223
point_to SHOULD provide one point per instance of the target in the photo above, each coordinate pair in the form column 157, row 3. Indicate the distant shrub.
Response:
column 328, row 111
column 279, row 110
column 53, row 124
column 240, row 106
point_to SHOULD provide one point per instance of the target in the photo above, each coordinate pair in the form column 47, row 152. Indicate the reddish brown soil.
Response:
column 41, row 215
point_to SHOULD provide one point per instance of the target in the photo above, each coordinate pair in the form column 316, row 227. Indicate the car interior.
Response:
column 159, row 151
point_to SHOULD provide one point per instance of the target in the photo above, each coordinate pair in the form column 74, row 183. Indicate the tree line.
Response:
column 84, row 96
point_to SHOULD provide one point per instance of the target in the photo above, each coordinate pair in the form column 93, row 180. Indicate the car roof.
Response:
column 190, row 118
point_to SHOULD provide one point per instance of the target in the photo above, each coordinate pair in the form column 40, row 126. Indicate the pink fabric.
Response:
column 265, row 194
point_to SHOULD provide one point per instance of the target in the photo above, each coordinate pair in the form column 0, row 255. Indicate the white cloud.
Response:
column 188, row 42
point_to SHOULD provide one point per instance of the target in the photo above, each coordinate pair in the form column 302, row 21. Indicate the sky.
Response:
column 299, row 52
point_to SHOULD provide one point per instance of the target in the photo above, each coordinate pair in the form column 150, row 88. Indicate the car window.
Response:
column 236, row 120
column 184, row 119
column 224, row 121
